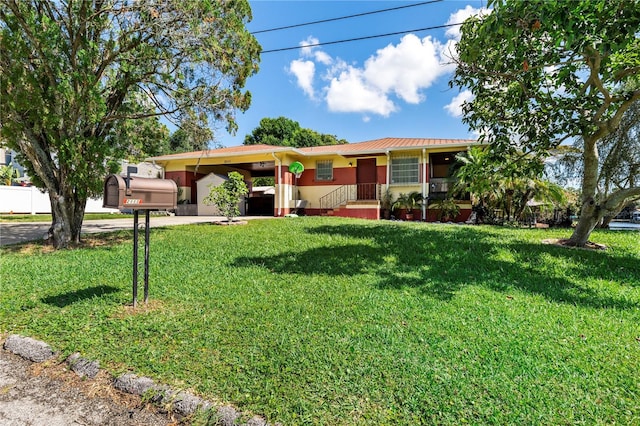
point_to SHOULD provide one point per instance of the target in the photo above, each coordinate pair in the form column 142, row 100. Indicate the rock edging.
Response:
column 28, row 348
column 181, row 403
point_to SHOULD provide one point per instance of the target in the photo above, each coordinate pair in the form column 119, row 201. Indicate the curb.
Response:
column 163, row 397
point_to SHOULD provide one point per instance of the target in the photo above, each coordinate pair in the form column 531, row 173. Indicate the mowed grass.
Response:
column 347, row 322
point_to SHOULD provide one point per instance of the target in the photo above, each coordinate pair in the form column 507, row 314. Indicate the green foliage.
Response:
column 386, row 201
column 408, row 201
column 505, row 184
column 273, row 131
column 282, row 131
column 8, row 174
column 143, row 138
column 447, row 209
column 542, row 72
column 264, row 181
column 83, row 84
column 189, row 138
column 227, row 195
column 335, row 321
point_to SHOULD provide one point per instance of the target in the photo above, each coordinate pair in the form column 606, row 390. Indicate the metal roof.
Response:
column 377, row 146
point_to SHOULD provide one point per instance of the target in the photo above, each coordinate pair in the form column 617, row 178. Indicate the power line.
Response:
column 437, row 27
column 345, row 17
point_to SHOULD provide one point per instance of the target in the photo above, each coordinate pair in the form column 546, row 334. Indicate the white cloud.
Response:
column 307, row 46
column 454, row 108
column 304, row 71
column 350, row 92
column 397, row 73
column 322, row 57
column 405, row 69
column 309, row 50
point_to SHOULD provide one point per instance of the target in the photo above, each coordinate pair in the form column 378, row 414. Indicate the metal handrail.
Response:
column 346, row 193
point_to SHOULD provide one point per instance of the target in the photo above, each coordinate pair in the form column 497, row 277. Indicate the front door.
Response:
column 366, row 178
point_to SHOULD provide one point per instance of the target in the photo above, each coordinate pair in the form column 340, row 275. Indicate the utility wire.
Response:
column 345, row 17
column 361, row 38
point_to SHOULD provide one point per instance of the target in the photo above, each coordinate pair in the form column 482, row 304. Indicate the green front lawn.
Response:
column 337, row 321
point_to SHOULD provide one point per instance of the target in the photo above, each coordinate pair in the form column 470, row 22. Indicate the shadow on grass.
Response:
column 440, row 261
column 72, row 297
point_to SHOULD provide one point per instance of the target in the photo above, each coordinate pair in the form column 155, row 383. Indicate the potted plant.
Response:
column 386, row 202
column 408, row 202
column 448, row 209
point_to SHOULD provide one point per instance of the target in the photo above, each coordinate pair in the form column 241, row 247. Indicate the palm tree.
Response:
column 476, row 177
column 408, row 202
column 507, row 184
column 8, row 175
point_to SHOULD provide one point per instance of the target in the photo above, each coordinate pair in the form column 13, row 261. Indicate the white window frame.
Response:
column 407, row 173
column 324, row 170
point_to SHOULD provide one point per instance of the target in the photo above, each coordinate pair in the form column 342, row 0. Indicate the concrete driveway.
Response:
column 15, row 233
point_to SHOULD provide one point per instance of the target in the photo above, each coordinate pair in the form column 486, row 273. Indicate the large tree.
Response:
column 80, row 78
column 542, row 72
column 283, row 131
column 183, row 141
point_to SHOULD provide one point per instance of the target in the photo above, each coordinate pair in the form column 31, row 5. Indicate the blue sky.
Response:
column 394, row 86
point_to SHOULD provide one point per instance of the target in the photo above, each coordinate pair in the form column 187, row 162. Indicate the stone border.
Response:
column 28, row 348
column 163, row 397
column 227, row 223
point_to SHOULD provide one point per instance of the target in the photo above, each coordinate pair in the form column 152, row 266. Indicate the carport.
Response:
column 251, row 161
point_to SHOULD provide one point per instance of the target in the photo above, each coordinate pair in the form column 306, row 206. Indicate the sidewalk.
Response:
column 15, row 233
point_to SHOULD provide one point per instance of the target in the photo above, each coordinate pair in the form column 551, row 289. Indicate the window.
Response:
column 324, row 170
column 405, row 170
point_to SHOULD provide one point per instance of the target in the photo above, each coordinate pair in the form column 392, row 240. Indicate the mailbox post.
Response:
column 136, row 193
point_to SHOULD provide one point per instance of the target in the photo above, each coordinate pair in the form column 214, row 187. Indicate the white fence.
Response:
column 30, row 200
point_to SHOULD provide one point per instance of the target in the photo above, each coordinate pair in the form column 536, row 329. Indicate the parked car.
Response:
column 635, row 217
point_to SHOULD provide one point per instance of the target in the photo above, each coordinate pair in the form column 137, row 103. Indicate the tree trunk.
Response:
column 67, row 215
column 606, row 220
column 587, row 222
column 592, row 211
column 589, row 212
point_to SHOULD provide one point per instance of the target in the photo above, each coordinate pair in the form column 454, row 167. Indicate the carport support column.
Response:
column 278, row 182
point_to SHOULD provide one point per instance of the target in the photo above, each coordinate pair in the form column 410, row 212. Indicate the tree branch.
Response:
column 617, row 198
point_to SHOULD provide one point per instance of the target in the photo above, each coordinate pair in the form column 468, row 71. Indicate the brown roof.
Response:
column 221, row 152
column 384, row 144
column 367, row 147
